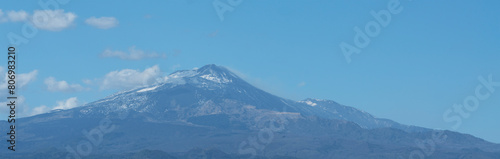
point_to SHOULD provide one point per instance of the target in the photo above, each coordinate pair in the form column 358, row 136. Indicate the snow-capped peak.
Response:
column 210, row 72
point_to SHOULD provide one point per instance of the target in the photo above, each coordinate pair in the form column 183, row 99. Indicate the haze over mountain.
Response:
column 211, row 112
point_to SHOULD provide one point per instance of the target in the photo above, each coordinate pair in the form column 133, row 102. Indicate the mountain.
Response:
column 211, row 108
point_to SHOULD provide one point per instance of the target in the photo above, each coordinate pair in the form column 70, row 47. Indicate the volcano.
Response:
column 210, row 112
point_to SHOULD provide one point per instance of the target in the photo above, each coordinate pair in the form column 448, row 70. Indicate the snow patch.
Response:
column 216, row 79
column 308, row 102
column 148, row 89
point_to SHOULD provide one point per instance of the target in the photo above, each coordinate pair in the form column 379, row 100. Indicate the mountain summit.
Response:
column 213, row 73
column 211, row 107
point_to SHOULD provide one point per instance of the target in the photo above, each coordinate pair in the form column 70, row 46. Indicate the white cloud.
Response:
column 128, row 78
column 301, row 84
column 24, row 78
column 17, row 16
column 53, row 20
column 39, row 110
column 65, row 104
column 62, row 86
column 133, row 54
column 87, row 81
column 2, row 18
column 102, row 22
column 68, row 104
column 21, row 80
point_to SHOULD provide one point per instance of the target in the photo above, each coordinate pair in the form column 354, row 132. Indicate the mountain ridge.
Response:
column 213, row 107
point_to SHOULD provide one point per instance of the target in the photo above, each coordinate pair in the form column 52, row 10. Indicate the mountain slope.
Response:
column 211, row 107
column 193, row 93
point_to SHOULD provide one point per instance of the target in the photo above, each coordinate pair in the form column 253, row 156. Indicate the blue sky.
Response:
column 426, row 59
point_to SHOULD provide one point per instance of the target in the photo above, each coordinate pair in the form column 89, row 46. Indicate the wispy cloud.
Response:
column 301, row 84
column 21, row 80
column 102, row 22
column 62, row 86
column 53, row 20
column 17, row 16
column 213, row 34
column 128, row 78
column 87, row 81
column 39, row 110
column 2, row 17
column 13, row 16
column 65, row 104
column 132, row 54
